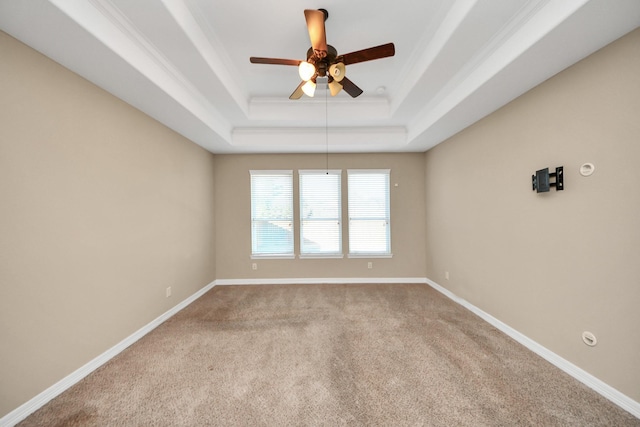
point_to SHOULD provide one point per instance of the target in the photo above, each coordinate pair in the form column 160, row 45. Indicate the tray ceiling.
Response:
column 186, row 63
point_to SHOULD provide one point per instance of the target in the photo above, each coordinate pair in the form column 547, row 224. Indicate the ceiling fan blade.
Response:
column 275, row 61
column 297, row 94
column 376, row 52
column 315, row 25
column 350, row 87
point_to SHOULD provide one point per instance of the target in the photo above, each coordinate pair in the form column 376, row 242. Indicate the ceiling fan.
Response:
column 323, row 60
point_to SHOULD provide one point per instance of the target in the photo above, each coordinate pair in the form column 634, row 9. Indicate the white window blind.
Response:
column 369, row 212
column 320, row 213
column 272, row 213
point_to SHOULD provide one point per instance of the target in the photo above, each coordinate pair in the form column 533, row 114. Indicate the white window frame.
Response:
column 287, row 219
column 333, row 221
column 355, row 205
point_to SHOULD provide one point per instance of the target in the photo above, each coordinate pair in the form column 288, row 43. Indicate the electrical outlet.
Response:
column 446, row 275
column 254, row 266
column 168, row 292
column 369, row 265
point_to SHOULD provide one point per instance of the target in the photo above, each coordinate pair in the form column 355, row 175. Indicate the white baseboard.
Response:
column 26, row 409
column 620, row 399
column 330, row 280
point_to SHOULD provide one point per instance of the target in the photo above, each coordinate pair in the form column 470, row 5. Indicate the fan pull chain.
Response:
column 326, row 124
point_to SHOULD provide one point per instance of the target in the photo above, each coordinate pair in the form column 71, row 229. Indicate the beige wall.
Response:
column 101, row 209
column 233, row 217
column 556, row 264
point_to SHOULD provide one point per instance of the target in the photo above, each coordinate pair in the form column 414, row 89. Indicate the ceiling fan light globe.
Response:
column 334, row 87
column 337, row 71
column 309, row 88
column 306, row 70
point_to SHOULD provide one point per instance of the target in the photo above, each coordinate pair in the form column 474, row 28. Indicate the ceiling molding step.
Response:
column 528, row 27
column 315, row 109
column 490, row 54
column 317, row 139
column 185, row 63
column 531, row 69
column 205, row 41
column 102, row 19
column 425, row 54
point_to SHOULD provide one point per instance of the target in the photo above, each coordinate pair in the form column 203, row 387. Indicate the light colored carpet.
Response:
column 328, row 355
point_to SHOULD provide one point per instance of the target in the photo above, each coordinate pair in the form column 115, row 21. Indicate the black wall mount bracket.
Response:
column 540, row 181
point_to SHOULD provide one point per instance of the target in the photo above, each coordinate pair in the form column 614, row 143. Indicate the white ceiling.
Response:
column 186, row 63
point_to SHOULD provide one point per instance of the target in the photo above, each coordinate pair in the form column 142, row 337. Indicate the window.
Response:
column 320, row 213
column 369, row 217
column 272, row 213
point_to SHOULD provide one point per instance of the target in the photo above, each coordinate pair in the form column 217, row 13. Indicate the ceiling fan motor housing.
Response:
column 322, row 64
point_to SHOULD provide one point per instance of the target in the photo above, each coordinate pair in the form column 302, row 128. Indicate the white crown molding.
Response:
column 366, row 109
column 207, row 43
column 104, row 21
column 470, row 71
column 318, row 138
column 534, row 21
column 429, row 48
